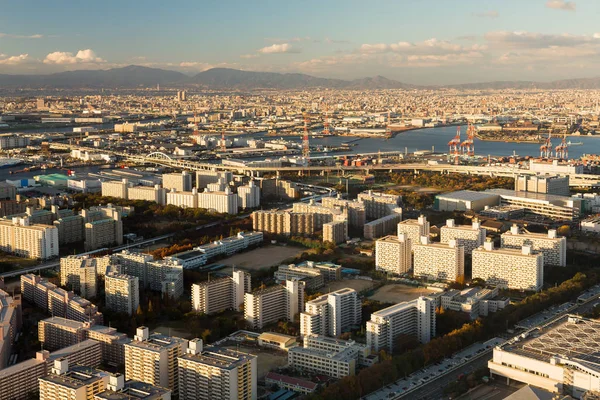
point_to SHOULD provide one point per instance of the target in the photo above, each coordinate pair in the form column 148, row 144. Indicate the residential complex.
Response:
column 265, row 306
column 393, row 254
column 284, row 223
column 354, row 209
column 439, row 261
column 220, row 294
column 72, row 382
column 415, row 319
column 509, row 268
column 560, row 357
column 180, row 182
column 122, row 292
column 79, row 273
column 378, row 205
column 553, row 247
column 152, row 358
column 311, row 277
column 335, row 232
column 468, row 236
column 216, row 373
column 119, row 389
column 383, row 226
column 331, row 314
column 414, row 229
column 18, row 236
column 10, row 324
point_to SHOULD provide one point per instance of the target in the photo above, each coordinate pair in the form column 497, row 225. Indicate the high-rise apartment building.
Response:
column 152, row 358
column 117, row 189
column 180, row 182
column 468, row 236
column 222, row 201
column 57, row 332
column 216, row 373
column 205, row 177
column 183, row 199
column 335, row 232
column 79, row 272
column 414, row 318
column 269, row 305
column 103, row 227
column 378, row 205
column 10, row 324
column 249, row 195
column 321, row 214
column 509, row 268
column 331, row 314
column 414, row 228
column 393, row 254
column 118, row 389
column 439, row 261
column 355, row 209
column 220, row 294
column 122, row 292
column 148, row 193
column 284, row 223
column 552, row 246
column 18, row 236
column 72, row 382
column 383, row 226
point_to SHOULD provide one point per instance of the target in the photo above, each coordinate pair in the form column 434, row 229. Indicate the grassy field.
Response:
column 397, row 293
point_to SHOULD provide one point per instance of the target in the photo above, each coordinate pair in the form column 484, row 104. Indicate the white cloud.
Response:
column 487, row 14
column 14, row 60
column 82, row 57
column 561, row 5
column 249, row 56
column 279, row 48
column 12, row 36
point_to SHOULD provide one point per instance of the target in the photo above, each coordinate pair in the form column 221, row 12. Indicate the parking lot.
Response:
column 404, row 387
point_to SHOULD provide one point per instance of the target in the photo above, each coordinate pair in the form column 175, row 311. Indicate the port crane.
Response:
column 454, row 146
column 562, row 150
column 546, row 148
column 468, row 146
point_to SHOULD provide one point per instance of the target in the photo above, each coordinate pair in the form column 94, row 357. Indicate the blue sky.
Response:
column 415, row 41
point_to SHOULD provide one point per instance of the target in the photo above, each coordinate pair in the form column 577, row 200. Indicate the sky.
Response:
column 413, row 41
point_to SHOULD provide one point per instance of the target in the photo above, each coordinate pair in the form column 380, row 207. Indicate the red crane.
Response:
column 468, row 146
column 305, row 143
column 562, row 150
column 546, row 148
column 454, row 146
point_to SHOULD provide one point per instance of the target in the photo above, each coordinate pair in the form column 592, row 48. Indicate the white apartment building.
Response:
column 216, row 373
column 10, row 323
column 72, row 382
column 383, row 226
column 414, row 228
column 393, row 254
column 220, row 294
column 468, row 236
column 222, row 202
column 152, row 358
column 331, row 314
column 118, row 189
column 312, row 277
column 80, row 273
column 553, row 247
column 438, row 261
column 118, row 389
column 18, row 236
column 274, row 303
column 249, row 195
column 378, row 205
column 148, row 193
column 509, row 268
column 183, row 199
column 414, row 318
column 180, row 182
column 122, row 292
column 561, row 357
column 335, row 232
column 205, row 177
column 57, row 332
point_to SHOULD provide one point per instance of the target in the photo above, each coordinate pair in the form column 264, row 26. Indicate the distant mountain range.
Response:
column 135, row 76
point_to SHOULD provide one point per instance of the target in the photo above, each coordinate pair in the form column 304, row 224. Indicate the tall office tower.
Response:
column 414, row 228
column 469, row 236
column 414, row 318
column 331, row 314
column 118, row 389
column 216, row 373
column 220, row 294
column 122, row 292
column 393, row 254
column 180, row 182
column 335, row 232
column 249, row 195
column 378, row 205
column 152, row 358
column 222, row 202
column 72, row 382
column 546, row 183
column 439, row 261
column 18, row 236
column 204, row 177
column 553, row 247
column 118, row 189
column 509, row 268
column 274, row 303
column 79, row 272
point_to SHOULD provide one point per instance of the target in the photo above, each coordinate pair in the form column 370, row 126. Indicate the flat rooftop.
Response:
column 64, row 322
column 156, row 342
column 134, row 390
column 78, row 376
column 468, row 195
column 220, row 357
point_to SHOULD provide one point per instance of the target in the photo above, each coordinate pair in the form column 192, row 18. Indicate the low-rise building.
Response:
column 473, row 301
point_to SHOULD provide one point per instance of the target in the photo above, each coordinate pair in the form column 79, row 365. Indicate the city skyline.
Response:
column 468, row 41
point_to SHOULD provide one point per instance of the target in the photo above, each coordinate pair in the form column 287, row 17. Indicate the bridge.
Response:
column 181, row 163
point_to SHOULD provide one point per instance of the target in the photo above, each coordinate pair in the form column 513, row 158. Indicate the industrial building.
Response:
column 465, row 200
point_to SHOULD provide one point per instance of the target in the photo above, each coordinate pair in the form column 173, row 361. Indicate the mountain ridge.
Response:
column 133, row 76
